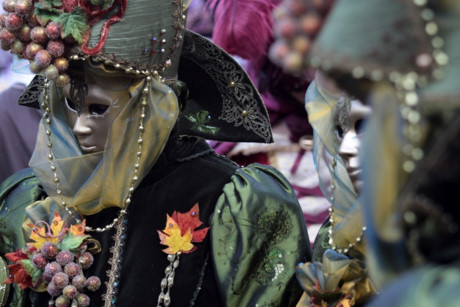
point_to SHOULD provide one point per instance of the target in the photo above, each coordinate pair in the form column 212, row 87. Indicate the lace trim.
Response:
column 110, row 297
column 32, row 92
column 237, row 91
column 200, row 282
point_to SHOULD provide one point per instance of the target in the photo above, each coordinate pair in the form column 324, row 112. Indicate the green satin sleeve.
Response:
column 17, row 192
column 258, row 236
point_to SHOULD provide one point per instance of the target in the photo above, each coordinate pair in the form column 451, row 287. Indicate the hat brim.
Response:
column 223, row 103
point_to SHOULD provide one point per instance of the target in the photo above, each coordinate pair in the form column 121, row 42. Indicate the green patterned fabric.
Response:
column 258, row 270
column 17, row 192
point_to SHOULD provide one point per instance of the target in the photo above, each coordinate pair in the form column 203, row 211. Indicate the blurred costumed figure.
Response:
column 125, row 202
column 405, row 64
column 337, row 276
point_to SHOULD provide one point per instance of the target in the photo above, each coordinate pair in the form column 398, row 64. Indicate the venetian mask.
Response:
column 93, row 101
column 349, row 119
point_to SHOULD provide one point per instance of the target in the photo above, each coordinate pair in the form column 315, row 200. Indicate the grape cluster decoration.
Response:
column 297, row 23
column 49, row 32
column 65, row 276
column 23, row 34
column 55, row 262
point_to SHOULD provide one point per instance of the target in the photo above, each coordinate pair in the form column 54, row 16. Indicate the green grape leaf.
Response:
column 52, row 3
column 107, row 3
column 75, row 23
column 71, row 242
column 37, row 277
column 46, row 14
column 29, row 267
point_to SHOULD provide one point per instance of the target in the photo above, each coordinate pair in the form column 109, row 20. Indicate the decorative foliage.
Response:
column 47, row 32
column 172, row 237
column 180, row 231
column 336, row 281
column 200, row 119
column 46, row 13
column 18, row 274
column 52, row 3
column 55, row 261
column 75, row 23
column 40, row 235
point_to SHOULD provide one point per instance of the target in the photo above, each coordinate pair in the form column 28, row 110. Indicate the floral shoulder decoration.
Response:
column 179, row 234
column 337, row 281
column 54, row 262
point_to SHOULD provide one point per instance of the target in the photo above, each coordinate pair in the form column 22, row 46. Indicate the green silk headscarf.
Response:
column 93, row 182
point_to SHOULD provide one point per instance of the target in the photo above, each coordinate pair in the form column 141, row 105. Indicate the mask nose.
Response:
column 350, row 144
column 349, row 149
column 81, row 126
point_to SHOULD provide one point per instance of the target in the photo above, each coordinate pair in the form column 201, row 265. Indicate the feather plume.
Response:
column 243, row 27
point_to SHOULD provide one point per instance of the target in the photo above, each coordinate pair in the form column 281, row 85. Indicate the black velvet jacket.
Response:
column 187, row 172
column 256, row 239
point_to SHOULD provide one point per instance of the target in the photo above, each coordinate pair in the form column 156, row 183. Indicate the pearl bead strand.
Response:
column 331, row 220
column 123, row 211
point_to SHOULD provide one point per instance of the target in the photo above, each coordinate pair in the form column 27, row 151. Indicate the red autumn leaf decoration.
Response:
column 17, row 272
column 191, row 220
column 16, row 256
column 180, row 231
column 19, row 275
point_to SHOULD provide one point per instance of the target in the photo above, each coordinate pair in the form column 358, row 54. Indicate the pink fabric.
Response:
column 234, row 18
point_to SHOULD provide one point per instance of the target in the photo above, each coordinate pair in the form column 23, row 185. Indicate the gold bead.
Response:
column 357, row 72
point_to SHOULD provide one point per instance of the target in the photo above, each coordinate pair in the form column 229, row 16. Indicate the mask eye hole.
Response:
column 70, row 104
column 339, row 132
column 359, row 126
column 97, row 109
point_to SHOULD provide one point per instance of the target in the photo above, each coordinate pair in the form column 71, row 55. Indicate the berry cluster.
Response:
column 34, row 39
column 62, row 270
column 297, row 22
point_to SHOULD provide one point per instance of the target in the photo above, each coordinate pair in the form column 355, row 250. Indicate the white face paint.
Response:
column 92, row 118
column 351, row 141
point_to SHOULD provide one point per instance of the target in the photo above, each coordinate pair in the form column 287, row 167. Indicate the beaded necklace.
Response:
column 127, row 202
column 335, row 247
